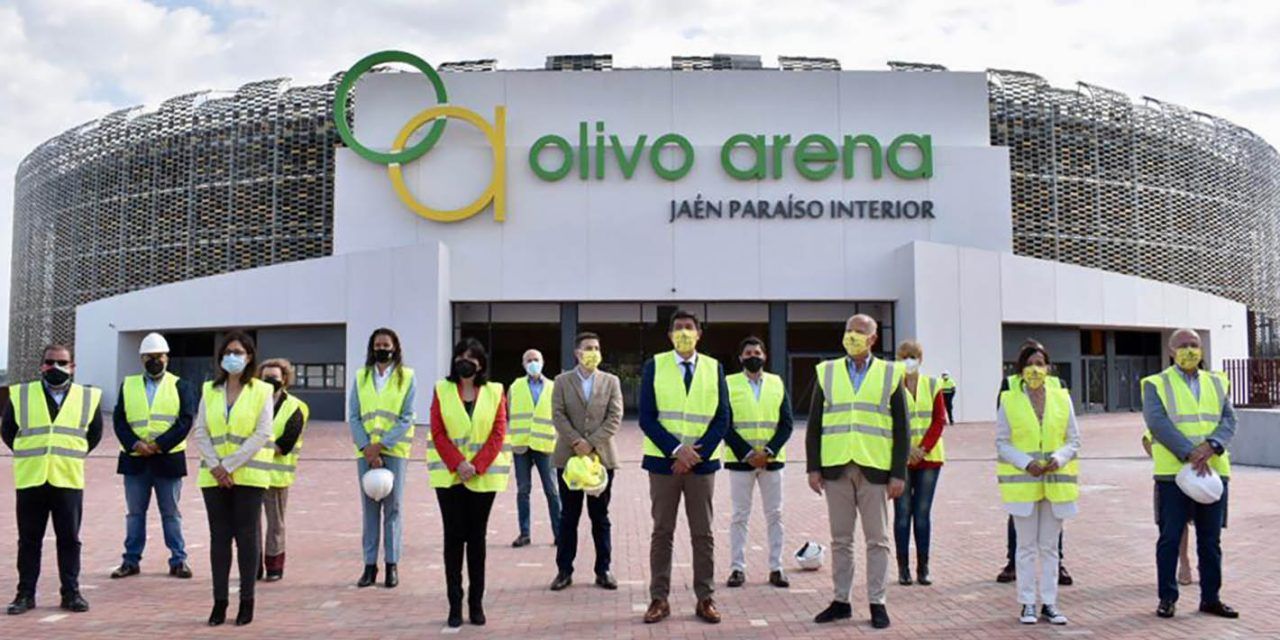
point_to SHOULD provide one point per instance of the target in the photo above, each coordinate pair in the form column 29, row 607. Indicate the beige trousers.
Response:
column 273, row 505
column 848, row 498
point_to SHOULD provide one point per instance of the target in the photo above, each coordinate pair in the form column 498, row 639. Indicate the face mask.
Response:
column 464, row 368
column 533, row 367
column 233, row 363
column 154, row 367
column 275, row 383
column 590, row 359
column 912, row 364
column 684, row 340
column 1187, row 358
column 753, row 364
column 1034, row 375
column 56, row 376
column 383, row 356
column 856, row 344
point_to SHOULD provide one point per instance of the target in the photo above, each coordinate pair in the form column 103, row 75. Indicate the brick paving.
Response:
column 1109, row 548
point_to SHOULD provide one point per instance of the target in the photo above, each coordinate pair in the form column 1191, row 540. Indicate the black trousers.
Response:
column 36, row 506
column 571, row 512
column 465, row 515
column 948, row 398
column 234, row 514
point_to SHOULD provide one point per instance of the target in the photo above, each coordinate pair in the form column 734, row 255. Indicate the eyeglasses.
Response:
column 56, row 363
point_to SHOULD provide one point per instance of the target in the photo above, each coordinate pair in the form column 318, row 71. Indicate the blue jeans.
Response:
column 912, row 511
column 137, row 499
column 524, row 484
column 383, row 517
column 1176, row 509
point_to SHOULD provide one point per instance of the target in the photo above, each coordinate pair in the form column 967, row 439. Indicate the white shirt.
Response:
column 756, row 385
column 380, row 379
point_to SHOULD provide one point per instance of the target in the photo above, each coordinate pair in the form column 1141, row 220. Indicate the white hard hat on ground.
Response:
column 153, row 343
column 810, row 556
column 378, row 483
column 1205, row 489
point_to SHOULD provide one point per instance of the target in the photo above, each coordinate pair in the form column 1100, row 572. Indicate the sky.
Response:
column 66, row 62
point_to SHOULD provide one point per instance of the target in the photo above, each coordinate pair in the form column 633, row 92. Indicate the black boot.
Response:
column 219, row 613
column 245, row 614
column 393, row 576
column 453, row 589
column 369, row 576
column 904, row 571
column 476, row 608
column 922, row 570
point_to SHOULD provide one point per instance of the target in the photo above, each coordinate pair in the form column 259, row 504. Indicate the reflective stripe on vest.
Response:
column 858, row 426
column 51, row 449
column 469, row 433
column 1038, row 439
column 228, row 433
column 285, row 467
column 148, row 420
column 1195, row 418
column 920, row 411
column 685, row 414
column 530, row 425
column 755, row 420
column 380, row 410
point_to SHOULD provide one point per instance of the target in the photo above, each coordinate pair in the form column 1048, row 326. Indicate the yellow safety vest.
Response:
column 756, row 420
column 230, row 432
column 530, row 425
column 284, row 468
column 858, row 426
column 685, row 415
column 1038, row 439
column 379, row 410
column 51, row 450
column 469, row 434
column 920, row 410
column 947, row 384
column 149, row 420
column 1196, row 419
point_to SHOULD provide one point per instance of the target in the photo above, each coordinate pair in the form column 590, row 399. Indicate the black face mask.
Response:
column 753, row 364
column 275, row 383
column 464, row 368
column 383, row 356
column 56, row 377
column 154, row 366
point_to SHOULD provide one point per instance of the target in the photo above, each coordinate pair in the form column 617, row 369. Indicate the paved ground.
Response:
column 1110, row 549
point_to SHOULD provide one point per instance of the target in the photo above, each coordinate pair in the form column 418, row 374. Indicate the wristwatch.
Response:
column 1217, row 446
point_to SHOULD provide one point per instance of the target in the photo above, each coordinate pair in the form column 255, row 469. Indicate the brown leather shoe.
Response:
column 658, row 611
column 707, row 611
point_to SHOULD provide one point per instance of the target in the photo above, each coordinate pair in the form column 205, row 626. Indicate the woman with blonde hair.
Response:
column 912, row 511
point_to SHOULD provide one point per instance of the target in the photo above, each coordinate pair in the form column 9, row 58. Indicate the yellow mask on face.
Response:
column 856, row 344
column 591, row 359
column 1034, row 375
column 684, row 340
column 1188, row 358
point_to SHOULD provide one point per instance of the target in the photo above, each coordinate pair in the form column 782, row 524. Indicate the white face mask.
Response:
column 912, row 364
column 533, row 367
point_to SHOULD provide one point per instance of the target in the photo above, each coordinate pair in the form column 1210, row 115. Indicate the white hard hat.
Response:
column 1205, row 489
column 810, row 556
column 153, row 343
column 946, row 373
column 378, row 483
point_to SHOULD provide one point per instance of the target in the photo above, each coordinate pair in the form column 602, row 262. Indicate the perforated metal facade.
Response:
column 210, row 183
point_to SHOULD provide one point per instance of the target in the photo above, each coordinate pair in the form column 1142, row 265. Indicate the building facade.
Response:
column 1076, row 215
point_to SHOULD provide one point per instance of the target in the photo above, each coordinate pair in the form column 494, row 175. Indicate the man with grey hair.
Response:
column 856, row 443
column 1189, row 415
column 532, row 436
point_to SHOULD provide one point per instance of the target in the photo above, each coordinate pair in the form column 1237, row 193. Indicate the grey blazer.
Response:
column 595, row 419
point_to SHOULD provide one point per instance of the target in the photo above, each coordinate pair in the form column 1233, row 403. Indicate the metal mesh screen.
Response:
column 206, row 184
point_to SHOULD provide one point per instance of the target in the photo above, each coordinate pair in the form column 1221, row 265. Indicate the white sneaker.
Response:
column 1028, row 614
column 1051, row 613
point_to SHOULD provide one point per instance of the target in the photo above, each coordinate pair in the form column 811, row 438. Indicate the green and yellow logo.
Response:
column 438, row 116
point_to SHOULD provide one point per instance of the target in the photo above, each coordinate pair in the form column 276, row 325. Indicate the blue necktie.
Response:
column 688, row 375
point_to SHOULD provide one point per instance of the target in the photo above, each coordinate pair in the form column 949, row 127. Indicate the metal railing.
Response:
column 1255, row 382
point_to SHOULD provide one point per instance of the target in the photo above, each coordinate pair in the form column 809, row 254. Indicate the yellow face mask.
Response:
column 1188, row 358
column 591, row 359
column 684, row 340
column 1034, row 375
column 856, row 344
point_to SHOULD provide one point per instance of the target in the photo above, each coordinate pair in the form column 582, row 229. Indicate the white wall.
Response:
column 405, row 289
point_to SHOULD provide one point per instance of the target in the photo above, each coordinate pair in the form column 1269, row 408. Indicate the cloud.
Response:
column 63, row 62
